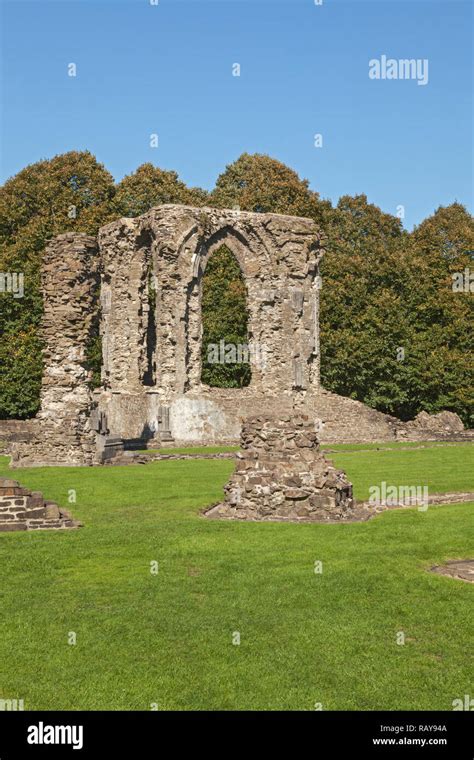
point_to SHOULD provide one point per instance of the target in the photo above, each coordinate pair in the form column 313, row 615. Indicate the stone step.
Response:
column 22, row 509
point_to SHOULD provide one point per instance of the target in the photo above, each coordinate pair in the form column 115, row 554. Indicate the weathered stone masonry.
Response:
column 152, row 378
column 281, row 474
column 21, row 509
column 151, row 384
column 61, row 433
column 279, row 258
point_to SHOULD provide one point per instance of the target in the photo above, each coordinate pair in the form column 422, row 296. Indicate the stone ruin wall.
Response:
column 145, row 383
column 279, row 258
column 61, row 432
column 152, row 391
column 345, row 420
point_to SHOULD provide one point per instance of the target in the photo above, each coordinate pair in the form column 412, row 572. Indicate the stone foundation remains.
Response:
column 282, row 475
column 21, row 509
column 462, row 569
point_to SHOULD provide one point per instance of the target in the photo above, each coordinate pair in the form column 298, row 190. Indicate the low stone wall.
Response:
column 15, row 430
column 345, row 420
column 21, row 509
column 443, row 426
column 51, row 444
column 199, row 417
column 211, row 416
column 215, row 416
column 281, row 474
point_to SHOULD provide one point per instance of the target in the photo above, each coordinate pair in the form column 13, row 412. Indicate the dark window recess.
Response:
column 149, row 376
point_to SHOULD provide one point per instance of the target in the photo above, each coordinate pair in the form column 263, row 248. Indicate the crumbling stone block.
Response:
column 281, row 474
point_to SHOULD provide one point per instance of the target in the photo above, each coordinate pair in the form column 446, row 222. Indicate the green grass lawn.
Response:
column 356, row 447
column 389, row 445
column 304, row 637
column 443, row 468
column 193, row 450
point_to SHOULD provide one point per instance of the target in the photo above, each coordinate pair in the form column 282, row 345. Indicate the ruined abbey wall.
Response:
column 143, row 278
column 61, row 432
column 152, row 361
column 168, row 248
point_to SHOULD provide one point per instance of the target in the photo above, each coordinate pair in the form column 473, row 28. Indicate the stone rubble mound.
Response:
column 281, row 474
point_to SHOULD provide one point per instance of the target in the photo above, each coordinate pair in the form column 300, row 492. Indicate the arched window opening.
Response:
column 225, row 346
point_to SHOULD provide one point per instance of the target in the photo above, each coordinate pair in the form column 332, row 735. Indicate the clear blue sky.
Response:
column 167, row 69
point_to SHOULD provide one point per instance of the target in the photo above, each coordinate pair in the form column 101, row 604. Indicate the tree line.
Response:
column 396, row 306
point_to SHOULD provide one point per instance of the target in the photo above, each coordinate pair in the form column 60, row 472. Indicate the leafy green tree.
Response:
column 70, row 192
column 442, row 313
column 151, row 186
column 361, row 329
column 260, row 183
column 20, row 376
column 393, row 332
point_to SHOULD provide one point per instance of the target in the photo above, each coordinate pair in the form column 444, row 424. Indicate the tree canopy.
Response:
column 151, row 186
column 70, row 192
column 395, row 332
